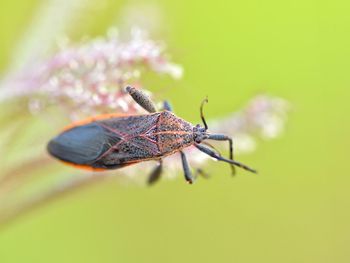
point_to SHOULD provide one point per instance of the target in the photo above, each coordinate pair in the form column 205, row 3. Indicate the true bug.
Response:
column 114, row 141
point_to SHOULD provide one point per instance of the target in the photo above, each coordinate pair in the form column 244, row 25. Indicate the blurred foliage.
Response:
column 295, row 210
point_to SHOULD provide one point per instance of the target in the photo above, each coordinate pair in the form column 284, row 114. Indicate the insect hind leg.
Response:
column 155, row 174
column 142, row 99
column 202, row 173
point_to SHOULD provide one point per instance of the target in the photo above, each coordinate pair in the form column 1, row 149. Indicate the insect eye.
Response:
column 197, row 138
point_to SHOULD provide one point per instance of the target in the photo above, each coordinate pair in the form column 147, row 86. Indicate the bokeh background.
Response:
column 295, row 210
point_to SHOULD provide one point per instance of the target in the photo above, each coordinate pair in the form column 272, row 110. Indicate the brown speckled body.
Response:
column 132, row 139
column 112, row 141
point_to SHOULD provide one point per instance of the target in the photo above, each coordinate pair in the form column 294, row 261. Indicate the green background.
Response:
column 295, row 210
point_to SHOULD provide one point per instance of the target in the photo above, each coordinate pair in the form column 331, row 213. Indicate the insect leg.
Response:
column 213, row 154
column 142, row 99
column 221, row 137
column 167, row 106
column 187, row 170
column 155, row 174
column 202, row 173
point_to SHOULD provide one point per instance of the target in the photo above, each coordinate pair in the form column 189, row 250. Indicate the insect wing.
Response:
column 79, row 145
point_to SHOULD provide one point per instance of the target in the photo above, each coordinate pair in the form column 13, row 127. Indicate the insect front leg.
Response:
column 155, row 174
column 213, row 154
column 186, row 167
column 220, row 137
column 142, row 99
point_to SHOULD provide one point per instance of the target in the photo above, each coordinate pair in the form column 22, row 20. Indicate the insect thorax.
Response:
column 173, row 132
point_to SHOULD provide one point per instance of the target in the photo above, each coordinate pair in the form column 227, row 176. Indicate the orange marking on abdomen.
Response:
column 94, row 169
column 84, row 167
column 94, row 118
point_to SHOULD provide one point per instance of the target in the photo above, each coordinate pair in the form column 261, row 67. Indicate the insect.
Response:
column 114, row 141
